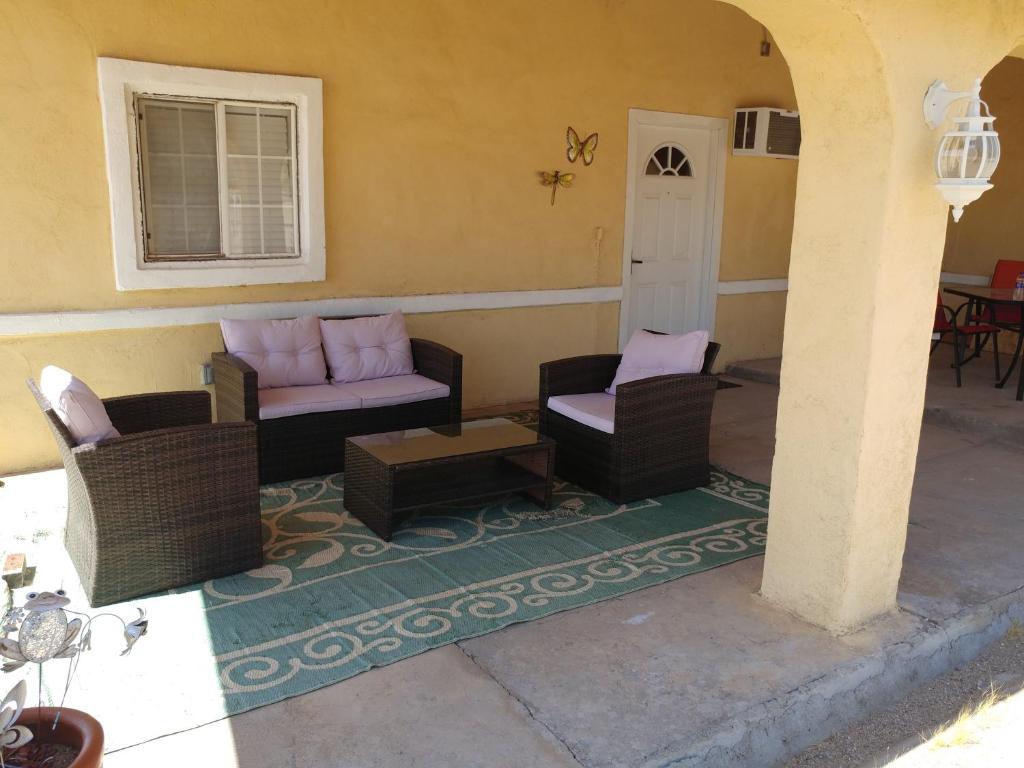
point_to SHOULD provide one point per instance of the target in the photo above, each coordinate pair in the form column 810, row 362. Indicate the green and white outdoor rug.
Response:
column 333, row 600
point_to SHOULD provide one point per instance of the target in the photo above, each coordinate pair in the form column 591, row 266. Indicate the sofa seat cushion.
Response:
column 654, row 354
column 279, row 402
column 593, row 409
column 285, row 353
column 395, row 390
column 78, row 407
column 364, row 348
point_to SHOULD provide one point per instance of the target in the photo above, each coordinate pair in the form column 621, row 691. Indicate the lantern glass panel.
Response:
column 951, row 151
column 968, row 157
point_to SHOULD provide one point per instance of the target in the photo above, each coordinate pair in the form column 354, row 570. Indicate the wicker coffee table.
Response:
column 390, row 476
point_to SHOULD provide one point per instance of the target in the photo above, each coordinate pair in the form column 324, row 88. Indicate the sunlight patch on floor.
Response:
column 984, row 734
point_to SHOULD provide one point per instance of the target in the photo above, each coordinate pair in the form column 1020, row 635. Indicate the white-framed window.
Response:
column 216, row 178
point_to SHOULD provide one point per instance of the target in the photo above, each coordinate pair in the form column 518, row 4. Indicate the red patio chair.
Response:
column 1005, row 276
column 980, row 328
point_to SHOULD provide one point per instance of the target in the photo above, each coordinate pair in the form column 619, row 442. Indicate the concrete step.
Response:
column 765, row 371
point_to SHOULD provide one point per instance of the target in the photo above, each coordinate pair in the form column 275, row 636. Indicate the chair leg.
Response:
column 957, row 357
column 995, row 354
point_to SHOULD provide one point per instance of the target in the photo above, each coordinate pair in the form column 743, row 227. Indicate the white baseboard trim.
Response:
column 955, row 278
column 40, row 323
column 734, row 287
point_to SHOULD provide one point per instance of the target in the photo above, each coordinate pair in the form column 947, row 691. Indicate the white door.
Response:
column 669, row 244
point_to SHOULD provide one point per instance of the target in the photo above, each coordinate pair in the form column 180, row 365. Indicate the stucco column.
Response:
column 866, row 256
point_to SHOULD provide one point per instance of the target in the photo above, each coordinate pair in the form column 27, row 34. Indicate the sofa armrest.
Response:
column 158, row 410
column 192, row 460
column 169, row 449
column 576, row 375
column 438, row 362
column 235, row 388
column 675, row 403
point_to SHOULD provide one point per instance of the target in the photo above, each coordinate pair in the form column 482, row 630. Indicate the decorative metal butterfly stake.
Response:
column 580, row 149
column 556, row 179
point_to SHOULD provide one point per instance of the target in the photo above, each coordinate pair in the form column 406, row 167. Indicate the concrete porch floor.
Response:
column 977, row 406
column 699, row 671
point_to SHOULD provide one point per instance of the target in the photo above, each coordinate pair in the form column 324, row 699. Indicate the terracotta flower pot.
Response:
column 74, row 729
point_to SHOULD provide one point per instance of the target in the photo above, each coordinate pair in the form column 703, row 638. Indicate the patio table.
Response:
column 993, row 297
column 395, row 474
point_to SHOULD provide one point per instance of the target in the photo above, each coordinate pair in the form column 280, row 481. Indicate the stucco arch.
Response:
column 865, row 260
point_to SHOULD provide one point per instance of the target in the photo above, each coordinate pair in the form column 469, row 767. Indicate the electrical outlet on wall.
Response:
column 206, row 373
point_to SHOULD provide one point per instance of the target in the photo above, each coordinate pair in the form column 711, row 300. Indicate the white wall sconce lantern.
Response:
column 967, row 155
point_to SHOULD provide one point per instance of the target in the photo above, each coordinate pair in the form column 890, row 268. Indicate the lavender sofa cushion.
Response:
column 365, row 348
column 652, row 354
column 77, row 406
column 395, row 390
column 280, row 402
column 284, row 353
column 594, row 409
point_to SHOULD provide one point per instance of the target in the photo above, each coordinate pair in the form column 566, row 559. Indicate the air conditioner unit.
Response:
column 766, row 132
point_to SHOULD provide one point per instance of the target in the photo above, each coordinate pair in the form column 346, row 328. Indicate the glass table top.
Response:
column 984, row 293
column 431, row 443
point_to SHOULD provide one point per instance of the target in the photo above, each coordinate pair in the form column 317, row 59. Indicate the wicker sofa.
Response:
column 311, row 444
column 173, row 500
column 661, row 428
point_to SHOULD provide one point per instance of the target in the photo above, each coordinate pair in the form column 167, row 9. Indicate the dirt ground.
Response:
column 971, row 716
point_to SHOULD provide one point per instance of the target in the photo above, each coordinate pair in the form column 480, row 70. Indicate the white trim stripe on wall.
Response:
column 954, row 278
column 40, row 323
column 734, row 287
column 43, row 323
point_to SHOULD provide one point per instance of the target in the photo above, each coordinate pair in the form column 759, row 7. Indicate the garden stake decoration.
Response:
column 13, row 736
column 556, row 179
column 45, row 632
column 580, row 149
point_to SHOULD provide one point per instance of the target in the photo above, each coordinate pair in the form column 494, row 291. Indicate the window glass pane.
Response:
column 245, row 231
column 278, row 230
column 199, row 131
column 167, row 230
column 243, row 181
column 275, row 133
column 163, row 131
column 261, row 180
column 204, row 228
column 179, row 178
column 277, row 181
column 241, row 130
column 165, row 180
column 201, row 179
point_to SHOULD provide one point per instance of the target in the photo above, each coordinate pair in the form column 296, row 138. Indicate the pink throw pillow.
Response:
column 77, row 406
column 367, row 347
column 652, row 354
column 285, row 353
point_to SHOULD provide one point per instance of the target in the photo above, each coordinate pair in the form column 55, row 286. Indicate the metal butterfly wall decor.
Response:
column 556, row 179
column 576, row 148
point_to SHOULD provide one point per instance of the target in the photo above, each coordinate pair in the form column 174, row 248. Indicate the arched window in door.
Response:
column 668, row 160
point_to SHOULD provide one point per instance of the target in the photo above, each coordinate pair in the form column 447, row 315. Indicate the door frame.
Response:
column 717, row 154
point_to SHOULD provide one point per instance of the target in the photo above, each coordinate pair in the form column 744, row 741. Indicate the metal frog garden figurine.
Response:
column 44, row 632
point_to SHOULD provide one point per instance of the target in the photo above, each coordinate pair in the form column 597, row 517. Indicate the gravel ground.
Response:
column 989, row 739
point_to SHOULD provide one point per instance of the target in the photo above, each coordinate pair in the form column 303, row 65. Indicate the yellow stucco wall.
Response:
column 752, row 323
column 992, row 228
column 437, row 117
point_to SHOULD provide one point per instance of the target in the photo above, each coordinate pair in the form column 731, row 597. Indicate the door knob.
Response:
column 636, row 261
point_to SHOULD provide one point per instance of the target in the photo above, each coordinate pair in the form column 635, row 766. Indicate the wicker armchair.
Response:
column 662, row 428
column 173, row 501
column 313, row 444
